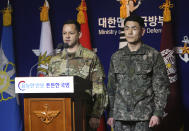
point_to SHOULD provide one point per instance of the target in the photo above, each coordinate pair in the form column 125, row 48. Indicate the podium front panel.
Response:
column 48, row 114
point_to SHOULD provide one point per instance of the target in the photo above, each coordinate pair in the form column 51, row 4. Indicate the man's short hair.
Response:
column 135, row 18
column 77, row 25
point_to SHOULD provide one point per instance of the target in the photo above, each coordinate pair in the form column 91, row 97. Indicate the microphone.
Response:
column 66, row 45
column 54, row 52
column 60, row 46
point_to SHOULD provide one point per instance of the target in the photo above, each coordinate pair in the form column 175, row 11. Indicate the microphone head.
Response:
column 60, row 46
column 66, row 45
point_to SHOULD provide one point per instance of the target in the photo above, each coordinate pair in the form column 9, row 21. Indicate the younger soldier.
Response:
column 137, row 82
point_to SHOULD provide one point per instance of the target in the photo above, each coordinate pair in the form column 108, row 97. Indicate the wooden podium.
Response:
column 48, row 114
column 58, row 111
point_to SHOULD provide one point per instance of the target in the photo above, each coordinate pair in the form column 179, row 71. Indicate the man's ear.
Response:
column 80, row 34
column 143, row 31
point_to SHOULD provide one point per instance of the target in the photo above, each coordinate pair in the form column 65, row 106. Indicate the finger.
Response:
column 94, row 125
column 91, row 123
column 150, row 123
column 97, row 124
column 157, row 123
column 154, row 123
column 110, row 123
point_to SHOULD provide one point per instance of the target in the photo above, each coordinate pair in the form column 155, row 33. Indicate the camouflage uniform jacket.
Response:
column 137, row 84
column 85, row 64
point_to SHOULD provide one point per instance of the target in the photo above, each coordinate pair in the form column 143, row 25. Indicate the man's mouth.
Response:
column 67, row 41
column 130, row 37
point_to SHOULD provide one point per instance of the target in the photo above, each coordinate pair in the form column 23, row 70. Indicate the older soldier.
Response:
column 79, row 61
column 137, row 82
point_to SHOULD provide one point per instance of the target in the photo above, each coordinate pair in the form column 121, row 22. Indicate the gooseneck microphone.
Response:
column 66, row 46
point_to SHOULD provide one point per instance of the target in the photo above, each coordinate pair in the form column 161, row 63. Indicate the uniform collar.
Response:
column 78, row 53
column 140, row 51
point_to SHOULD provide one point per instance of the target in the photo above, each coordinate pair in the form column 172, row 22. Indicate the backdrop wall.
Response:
column 104, row 23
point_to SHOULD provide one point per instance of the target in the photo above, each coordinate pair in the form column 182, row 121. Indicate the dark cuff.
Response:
column 158, row 113
column 110, row 113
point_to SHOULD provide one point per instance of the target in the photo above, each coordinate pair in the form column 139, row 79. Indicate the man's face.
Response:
column 133, row 32
column 70, row 35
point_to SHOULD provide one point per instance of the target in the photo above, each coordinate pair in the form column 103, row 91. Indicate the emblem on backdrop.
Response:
column 183, row 52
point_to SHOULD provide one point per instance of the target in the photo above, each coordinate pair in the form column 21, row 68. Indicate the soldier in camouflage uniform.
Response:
column 79, row 61
column 137, row 82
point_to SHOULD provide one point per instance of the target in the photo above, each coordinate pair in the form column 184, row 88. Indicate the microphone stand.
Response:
column 67, row 58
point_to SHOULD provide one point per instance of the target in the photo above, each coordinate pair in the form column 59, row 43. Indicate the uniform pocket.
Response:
column 143, row 70
column 120, row 74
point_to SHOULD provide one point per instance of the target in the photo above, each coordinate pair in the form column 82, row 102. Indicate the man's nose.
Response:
column 130, row 31
column 67, row 35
